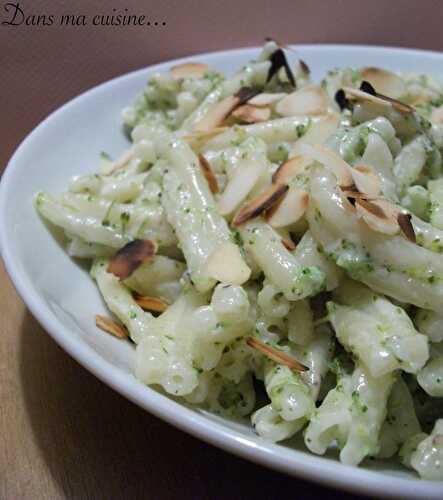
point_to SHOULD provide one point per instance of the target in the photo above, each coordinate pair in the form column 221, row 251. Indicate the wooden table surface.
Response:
column 64, row 434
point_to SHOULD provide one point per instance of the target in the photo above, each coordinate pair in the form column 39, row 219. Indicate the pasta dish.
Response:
column 273, row 247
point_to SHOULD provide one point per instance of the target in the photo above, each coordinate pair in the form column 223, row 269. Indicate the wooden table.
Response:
column 64, row 434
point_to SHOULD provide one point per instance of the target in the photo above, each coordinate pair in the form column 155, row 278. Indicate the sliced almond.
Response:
column 189, row 70
column 288, row 244
column 260, row 204
column 251, row 114
column 278, row 60
column 290, row 209
column 208, row 173
column 437, row 440
column 378, row 99
column 217, row 114
column 379, row 215
column 384, row 81
column 404, row 221
column 437, row 115
column 245, row 177
column 310, row 100
column 279, row 357
column 331, row 160
column 110, row 326
column 290, row 168
column 152, row 304
column 196, row 139
column 304, row 67
column 266, row 99
column 366, row 180
column 130, row 257
column 226, row 264
column 318, row 132
column 120, row 163
column 356, row 195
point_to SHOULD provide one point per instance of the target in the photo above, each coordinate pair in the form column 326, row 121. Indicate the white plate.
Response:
column 63, row 298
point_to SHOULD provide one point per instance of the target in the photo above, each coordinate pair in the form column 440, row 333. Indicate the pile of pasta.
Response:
column 264, row 231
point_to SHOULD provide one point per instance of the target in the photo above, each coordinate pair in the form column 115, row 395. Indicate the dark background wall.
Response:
column 42, row 67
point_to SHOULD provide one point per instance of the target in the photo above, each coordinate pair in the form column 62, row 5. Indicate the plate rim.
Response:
column 306, row 466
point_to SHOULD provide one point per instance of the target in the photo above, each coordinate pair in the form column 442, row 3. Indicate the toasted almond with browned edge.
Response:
column 196, row 139
column 366, row 180
column 290, row 168
column 279, row 357
column 226, row 264
column 110, row 326
column 153, row 304
column 290, row 209
column 130, row 257
column 121, row 162
column 251, row 114
column 404, row 221
column 437, row 115
column 309, row 100
column 379, row 215
column 331, row 160
column 217, row 114
column 266, row 99
column 260, row 204
column 288, row 244
column 243, row 180
column 189, row 70
column 278, row 60
column 207, row 172
column 384, row 81
column 379, row 99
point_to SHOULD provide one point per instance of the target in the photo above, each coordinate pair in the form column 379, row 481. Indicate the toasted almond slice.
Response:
column 266, row 99
column 290, row 168
column 245, row 177
column 199, row 138
column 437, row 115
column 279, row 357
column 110, row 326
column 278, row 60
column 217, row 114
column 251, row 114
column 120, row 163
column 288, row 244
column 130, row 257
column 260, row 204
column 189, row 70
column 290, row 209
column 153, row 304
column 331, row 160
column 245, row 94
column 384, row 81
column 366, row 180
column 356, row 195
column 309, row 100
column 379, row 215
column 318, row 132
column 379, row 99
column 208, row 173
column 304, row 67
column 226, row 264
column 404, row 221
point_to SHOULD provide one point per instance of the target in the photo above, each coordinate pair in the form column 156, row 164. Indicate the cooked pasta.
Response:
column 264, row 228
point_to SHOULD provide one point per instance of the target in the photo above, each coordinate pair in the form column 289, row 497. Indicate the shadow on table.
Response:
column 99, row 445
